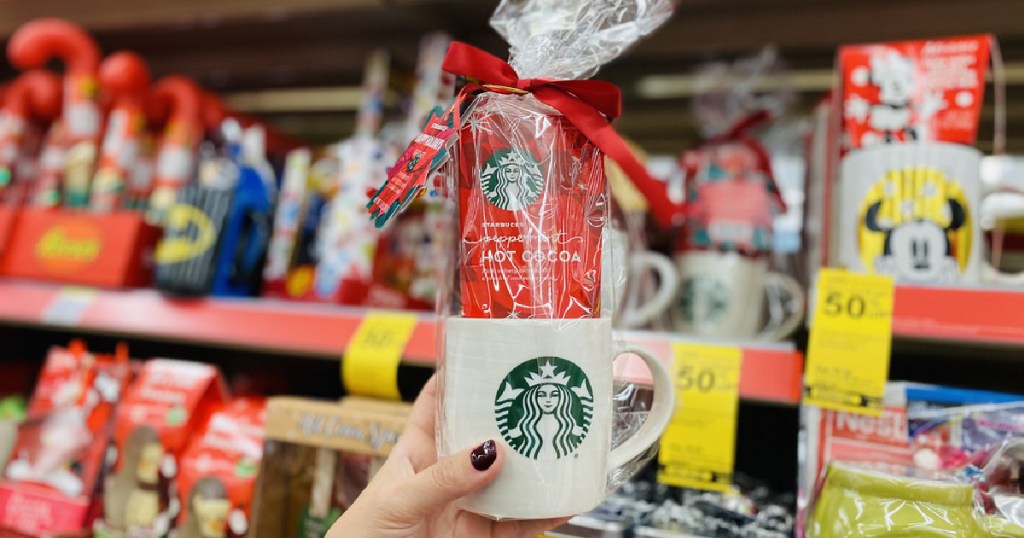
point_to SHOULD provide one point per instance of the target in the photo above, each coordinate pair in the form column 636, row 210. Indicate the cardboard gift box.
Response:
column 110, row 250
column 317, row 458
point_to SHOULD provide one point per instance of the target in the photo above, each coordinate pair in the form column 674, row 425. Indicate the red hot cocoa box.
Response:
column 161, row 410
column 218, row 472
column 532, row 205
column 911, row 91
column 49, row 484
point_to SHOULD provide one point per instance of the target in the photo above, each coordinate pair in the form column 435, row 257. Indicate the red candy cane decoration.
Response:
column 32, row 46
column 125, row 78
column 35, row 94
column 175, row 162
column 41, row 40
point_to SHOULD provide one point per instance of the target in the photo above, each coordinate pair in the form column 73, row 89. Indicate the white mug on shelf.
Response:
column 622, row 268
column 916, row 212
column 542, row 388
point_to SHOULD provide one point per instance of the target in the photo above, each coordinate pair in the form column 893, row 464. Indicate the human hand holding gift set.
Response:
column 528, row 335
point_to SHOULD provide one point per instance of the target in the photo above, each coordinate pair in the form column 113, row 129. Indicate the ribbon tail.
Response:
column 596, row 128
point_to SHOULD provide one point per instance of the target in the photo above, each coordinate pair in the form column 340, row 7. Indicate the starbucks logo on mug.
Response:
column 511, row 179
column 703, row 300
column 544, row 408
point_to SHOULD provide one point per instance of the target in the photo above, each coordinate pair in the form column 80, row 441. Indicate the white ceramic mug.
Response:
column 722, row 295
column 621, row 269
column 542, row 388
column 911, row 211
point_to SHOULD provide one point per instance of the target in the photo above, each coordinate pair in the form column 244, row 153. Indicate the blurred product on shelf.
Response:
column 124, row 77
column 219, row 472
column 31, row 47
column 317, row 458
column 217, row 231
column 12, row 413
column 346, row 238
column 32, row 97
column 178, row 100
column 925, row 431
column 162, row 409
column 111, row 245
column 644, row 509
column 912, row 91
column 865, row 503
column 57, row 463
column 910, row 200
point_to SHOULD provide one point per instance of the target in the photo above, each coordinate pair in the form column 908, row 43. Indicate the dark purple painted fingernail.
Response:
column 483, row 456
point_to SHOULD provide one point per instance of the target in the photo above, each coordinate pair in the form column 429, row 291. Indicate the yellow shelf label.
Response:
column 699, row 446
column 850, row 342
column 370, row 364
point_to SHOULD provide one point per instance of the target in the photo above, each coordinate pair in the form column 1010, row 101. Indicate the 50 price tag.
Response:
column 699, row 445
column 370, row 364
column 850, row 341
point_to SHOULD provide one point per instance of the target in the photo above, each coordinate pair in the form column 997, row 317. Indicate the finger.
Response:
column 417, row 442
column 447, row 480
column 424, row 410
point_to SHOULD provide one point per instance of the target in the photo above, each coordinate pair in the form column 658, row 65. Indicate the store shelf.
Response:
column 977, row 315
column 771, row 372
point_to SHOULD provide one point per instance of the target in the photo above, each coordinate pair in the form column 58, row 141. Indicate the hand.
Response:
column 413, row 495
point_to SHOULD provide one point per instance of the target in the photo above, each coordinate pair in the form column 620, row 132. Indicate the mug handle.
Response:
column 993, row 207
column 668, row 281
column 661, row 409
column 795, row 318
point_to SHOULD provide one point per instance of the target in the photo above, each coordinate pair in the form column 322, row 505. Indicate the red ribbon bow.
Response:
column 588, row 104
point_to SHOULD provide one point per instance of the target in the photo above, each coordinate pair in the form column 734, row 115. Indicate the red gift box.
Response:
column 109, row 250
column 218, row 471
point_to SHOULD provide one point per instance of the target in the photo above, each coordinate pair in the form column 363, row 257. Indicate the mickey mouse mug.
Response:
column 911, row 211
column 543, row 389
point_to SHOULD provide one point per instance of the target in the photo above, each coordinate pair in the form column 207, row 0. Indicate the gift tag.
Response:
column 408, row 178
column 848, row 352
column 370, row 365
column 699, row 445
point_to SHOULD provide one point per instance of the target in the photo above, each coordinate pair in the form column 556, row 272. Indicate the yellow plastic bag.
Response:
column 870, row 504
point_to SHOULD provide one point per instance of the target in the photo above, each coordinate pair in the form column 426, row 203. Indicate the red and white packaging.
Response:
column 160, row 412
column 50, row 482
column 532, row 205
column 218, row 472
column 924, row 91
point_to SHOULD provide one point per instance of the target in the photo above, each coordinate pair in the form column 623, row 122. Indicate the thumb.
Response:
column 449, row 479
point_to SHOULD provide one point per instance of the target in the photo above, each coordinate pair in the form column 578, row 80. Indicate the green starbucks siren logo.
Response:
column 511, row 179
column 544, row 408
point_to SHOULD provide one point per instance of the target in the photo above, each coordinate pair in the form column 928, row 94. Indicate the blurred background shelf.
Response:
column 299, row 64
column 771, row 372
column 974, row 315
